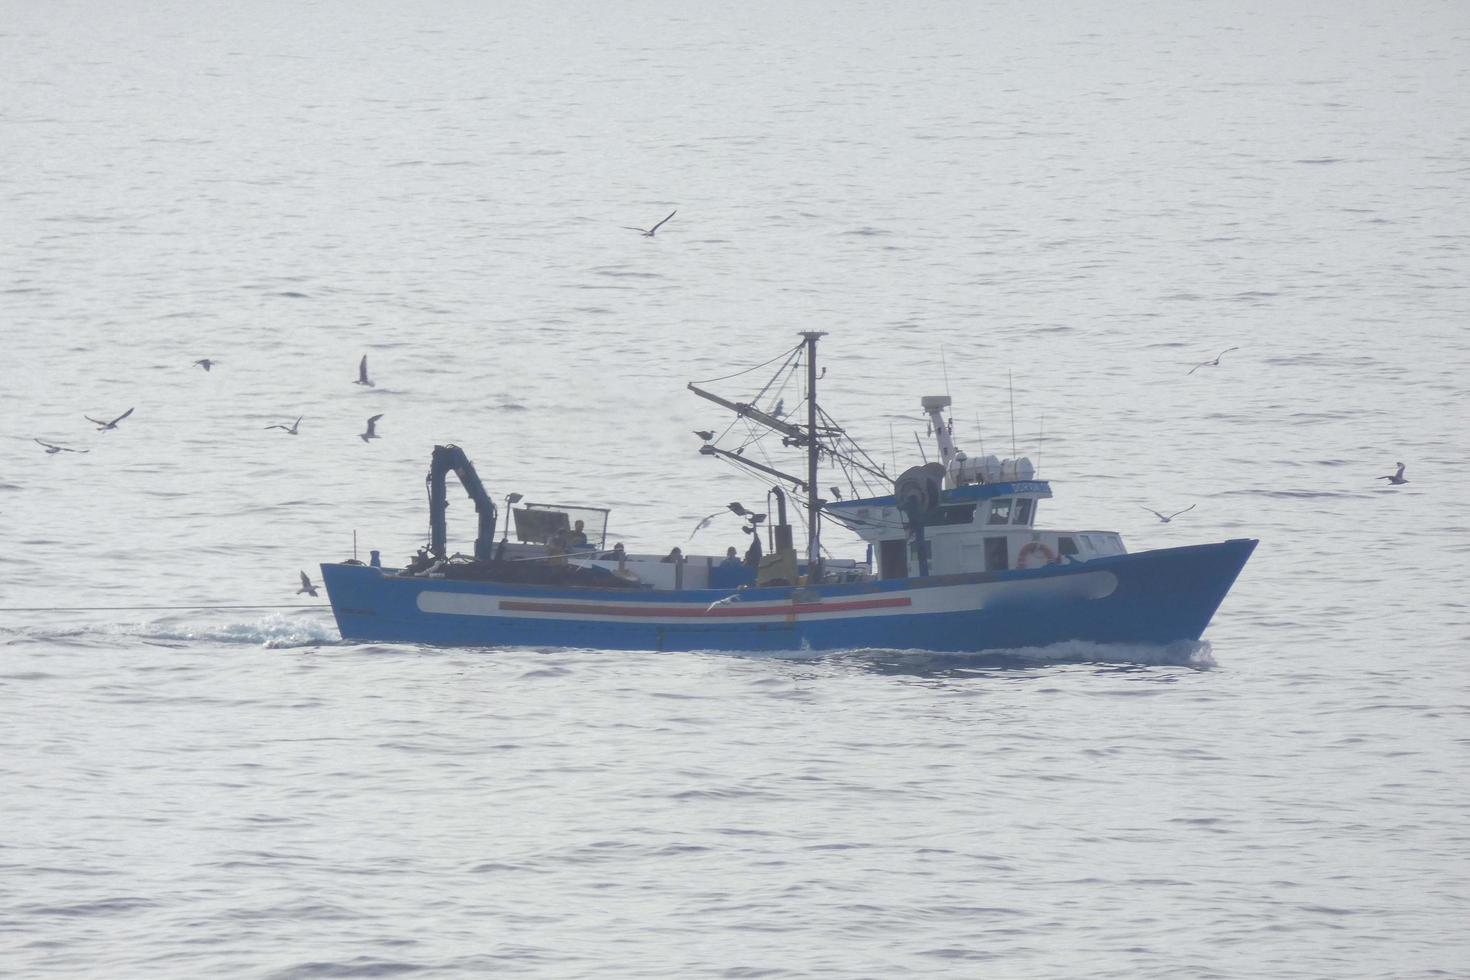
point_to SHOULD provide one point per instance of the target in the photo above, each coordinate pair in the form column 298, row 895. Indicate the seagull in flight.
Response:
column 52, row 450
column 650, row 232
column 722, row 603
column 206, row 363
column 372, row 429
column 362, row 376
column 736, row 508
column 705, row 523
column 1166, row 520
column 289, row 429
column 103, row 426
column 1397, row 479
column 704, row 434
column 1214, row 363
column 306, row 586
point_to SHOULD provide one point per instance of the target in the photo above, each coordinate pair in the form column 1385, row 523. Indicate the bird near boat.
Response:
column 704, row 523
column 104, row 426
column 704, row 434
column 780, row 410
column 1214, row 363
column 206, row 363
column 288, row 429
column 362, row 375
column 736, row 508
column 306, row 586
column 1166, row 520
column 52, row 449
column 1397, row 479
column 372, row 429
column 650, row 232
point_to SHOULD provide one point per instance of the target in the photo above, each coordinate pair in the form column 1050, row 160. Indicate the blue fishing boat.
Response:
column 955, row 560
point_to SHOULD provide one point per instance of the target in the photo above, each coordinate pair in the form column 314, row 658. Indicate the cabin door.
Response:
column 893, row 559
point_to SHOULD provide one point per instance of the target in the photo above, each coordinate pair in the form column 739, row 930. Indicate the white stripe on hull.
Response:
column 907, row 602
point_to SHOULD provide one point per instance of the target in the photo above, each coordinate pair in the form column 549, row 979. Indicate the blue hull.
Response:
column 1153, row 597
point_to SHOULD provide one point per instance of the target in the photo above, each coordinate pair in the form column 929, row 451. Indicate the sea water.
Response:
column 1051, row 212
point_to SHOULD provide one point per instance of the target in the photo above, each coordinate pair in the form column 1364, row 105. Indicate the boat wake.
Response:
column 275, row 632
column 272, row 632
column 1194, row 654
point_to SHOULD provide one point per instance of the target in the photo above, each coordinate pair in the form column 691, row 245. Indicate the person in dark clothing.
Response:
column 753, row 553
column 578, row 536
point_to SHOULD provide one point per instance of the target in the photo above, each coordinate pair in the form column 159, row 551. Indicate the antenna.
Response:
column 1012, row 388
column 354, row 544
column 944, row 366
column 922, row 454
column 892, row 447
column 978, row 434
column 1040, row 435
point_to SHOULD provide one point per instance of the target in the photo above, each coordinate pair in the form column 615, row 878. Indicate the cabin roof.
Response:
column 1039, row 489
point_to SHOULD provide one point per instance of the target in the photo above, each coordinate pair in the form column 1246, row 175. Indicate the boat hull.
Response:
column 1152, row 597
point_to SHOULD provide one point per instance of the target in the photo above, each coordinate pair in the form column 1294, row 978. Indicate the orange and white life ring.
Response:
column 1024, row 559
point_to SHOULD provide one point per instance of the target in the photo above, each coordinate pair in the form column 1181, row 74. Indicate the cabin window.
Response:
column 1000, row 511
column 1066, row 547
column 1022, row 515
column 1087, row 544
column 960, row 514
column 997, row 555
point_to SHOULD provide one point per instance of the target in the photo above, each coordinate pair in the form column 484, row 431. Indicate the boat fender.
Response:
column 1049, row 557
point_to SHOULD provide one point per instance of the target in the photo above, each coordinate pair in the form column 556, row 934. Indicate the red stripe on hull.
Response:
column 683, row 612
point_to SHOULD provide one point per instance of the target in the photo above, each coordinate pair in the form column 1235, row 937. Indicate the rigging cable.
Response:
column 762, row 364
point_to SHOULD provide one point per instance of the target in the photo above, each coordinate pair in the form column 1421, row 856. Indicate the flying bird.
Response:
column 1166, row 520
column 362, row 375
column 1214, row 363
column 704, row 524
column 289, row 429
column 206, row 363
column 736, row 508
column 1397, row 479
column 52, row 450
column 103, row 426
column 704, row 434
column 780, row 410
column 306, row 586
column 372, row 429
column 649, row 232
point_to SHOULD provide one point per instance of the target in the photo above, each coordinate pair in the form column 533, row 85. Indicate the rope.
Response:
column 294, row 605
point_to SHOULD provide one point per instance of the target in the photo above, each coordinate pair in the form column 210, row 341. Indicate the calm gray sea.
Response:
column 1080, row 200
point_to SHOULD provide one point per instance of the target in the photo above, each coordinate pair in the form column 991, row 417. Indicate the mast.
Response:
column 813, row 502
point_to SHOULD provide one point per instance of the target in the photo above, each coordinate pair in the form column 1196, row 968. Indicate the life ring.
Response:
column 1049, row 557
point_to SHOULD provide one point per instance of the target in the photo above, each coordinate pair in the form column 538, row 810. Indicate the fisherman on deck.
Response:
column 732, row 559
column 556, row 548
column 753, row 553
column 578, row 538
